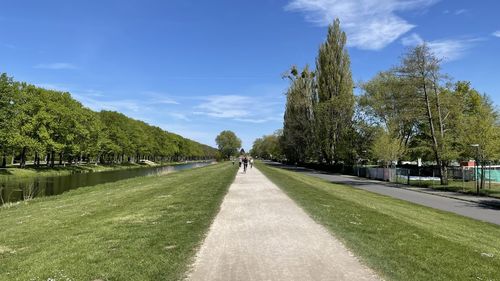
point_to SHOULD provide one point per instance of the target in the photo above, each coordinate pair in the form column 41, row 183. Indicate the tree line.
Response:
column 52, row 127
column 410, row 111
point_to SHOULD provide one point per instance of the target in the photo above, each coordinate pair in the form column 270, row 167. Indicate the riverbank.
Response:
column 145, row 228
column 31, row 171
column 398, row 239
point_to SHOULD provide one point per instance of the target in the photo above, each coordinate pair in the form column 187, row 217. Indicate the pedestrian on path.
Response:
column 245, row 164
column 251, row 163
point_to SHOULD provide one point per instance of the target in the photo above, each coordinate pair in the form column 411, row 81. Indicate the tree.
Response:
column 335, row 107
column 421, row 69
column 268, row 147
column 387, row 102
column 39, row 123
column 298, row 133
column 228, row 143
column 386, row 148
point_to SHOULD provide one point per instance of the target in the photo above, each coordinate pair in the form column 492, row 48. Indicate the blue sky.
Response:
column 199, row 67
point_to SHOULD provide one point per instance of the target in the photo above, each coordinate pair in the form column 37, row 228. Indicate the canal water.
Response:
column 17, row 189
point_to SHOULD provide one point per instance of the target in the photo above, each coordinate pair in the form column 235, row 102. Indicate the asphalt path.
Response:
column 483, row 209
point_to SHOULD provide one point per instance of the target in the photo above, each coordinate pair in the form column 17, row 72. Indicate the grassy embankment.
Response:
column 398, row 239
column 145, row 228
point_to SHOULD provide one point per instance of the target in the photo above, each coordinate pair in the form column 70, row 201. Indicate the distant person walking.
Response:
column 240, row 162
column 251, row 163
column 245, row 164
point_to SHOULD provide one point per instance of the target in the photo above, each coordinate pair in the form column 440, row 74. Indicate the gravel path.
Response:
column 261, row 234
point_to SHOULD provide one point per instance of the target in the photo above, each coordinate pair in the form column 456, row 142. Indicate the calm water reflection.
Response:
column 15, row 189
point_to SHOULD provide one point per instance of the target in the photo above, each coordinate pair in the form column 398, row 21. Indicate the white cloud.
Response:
column 240, row 108
column 412, row 40
column 179, row 116
column 369, row 24
column 56, row 66
column 53, row 87
column 8, row 46
column 230, row 106
column 159, row 97
column 446, row 49
column 459, row 12
column 496, row 33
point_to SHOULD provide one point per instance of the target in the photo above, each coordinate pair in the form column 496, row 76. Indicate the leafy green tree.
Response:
column 388, row 102
column 386, row 147
column 268, row 147
column 335, row 108
column 298, row 134
column 228, row 143
column 421, row 69
column 40, row 123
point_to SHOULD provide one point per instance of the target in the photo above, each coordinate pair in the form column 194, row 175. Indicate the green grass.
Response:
column 398, row 239
column 468, row 187
column 60, row 171
column 145, row 228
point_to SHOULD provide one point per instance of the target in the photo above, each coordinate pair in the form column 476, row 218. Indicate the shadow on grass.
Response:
column 5, row 172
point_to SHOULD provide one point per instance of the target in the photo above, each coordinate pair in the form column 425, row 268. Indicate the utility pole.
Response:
column 476, row 164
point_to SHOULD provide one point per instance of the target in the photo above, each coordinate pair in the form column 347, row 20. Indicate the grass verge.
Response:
column 145, row 228
column 398, row 239
column 491, row 189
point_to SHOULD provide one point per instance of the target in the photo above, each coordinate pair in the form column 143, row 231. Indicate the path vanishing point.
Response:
column 261, row 234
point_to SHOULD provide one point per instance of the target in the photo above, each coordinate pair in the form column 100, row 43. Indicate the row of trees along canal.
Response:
column 49, row 125
column 410, row 111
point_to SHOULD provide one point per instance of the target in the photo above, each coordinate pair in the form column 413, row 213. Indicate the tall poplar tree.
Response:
column 298, row 137
column 335, row 108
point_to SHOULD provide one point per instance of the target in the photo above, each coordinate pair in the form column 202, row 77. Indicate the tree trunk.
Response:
column 4, row 161
column 435, row 146
column 23, row 157
column 443, row 169
column 52, row 158
column 48, row 159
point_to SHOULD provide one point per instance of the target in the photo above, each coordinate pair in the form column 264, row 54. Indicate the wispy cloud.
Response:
column 56, row 66
column 370, row 24
column 159, row 97
column 240, row 108
column 496, row 33
column 461, row 11
column 8, row 46
column 54, row 87
column 446, row 49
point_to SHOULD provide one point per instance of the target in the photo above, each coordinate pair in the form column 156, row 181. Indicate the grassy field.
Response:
column 145, row 228
column 400, row 240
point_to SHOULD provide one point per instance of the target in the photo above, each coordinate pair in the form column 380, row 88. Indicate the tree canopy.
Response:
column 228, row 144
column 45, row 125
column 410, row 111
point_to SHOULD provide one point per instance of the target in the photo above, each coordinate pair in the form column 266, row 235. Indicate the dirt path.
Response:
column 261, row 234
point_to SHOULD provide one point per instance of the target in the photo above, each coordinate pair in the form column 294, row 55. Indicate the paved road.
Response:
column 477, row 210
column 261, row 234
